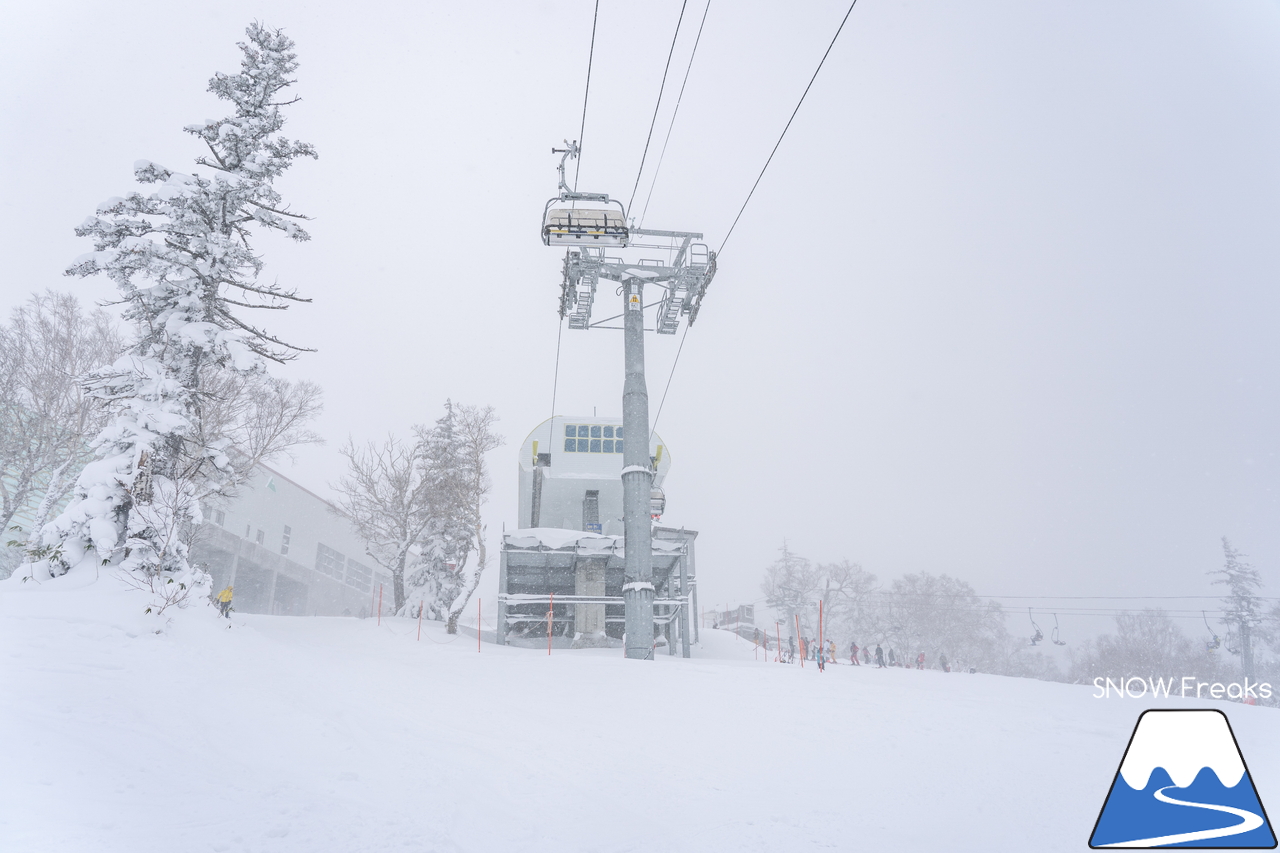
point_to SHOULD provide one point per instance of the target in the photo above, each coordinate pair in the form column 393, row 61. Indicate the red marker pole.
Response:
column 479, row 601
column 550, row 611
column 379, row 604
column 421, row 607
column 800, row 641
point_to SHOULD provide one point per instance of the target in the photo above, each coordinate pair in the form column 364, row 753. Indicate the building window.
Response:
column 219, row 517
column 329, row 562
column 359, row 576
column 248, row 531
column 587, row 438
column 284, row 540
column 260, row 538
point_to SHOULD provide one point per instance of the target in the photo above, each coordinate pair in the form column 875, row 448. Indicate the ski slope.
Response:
column 315, row 735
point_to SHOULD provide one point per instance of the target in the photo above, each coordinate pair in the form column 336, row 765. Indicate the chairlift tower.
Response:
column 681, row 268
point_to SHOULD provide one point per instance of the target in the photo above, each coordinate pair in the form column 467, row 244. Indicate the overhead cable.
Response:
column 582, row 132
column 674, row 112
column 654, row 120
column 670, row 375
column 784, row 130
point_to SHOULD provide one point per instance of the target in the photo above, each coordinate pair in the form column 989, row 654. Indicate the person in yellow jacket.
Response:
column 224, row 602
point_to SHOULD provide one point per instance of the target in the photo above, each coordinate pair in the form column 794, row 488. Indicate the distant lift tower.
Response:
column 588, row 226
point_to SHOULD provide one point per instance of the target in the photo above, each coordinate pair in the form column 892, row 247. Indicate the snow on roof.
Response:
column 559, row 539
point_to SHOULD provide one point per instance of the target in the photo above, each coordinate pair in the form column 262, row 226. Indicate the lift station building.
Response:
column 561, row 571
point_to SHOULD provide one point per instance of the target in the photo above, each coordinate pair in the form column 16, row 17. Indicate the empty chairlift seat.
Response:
column 584, row 226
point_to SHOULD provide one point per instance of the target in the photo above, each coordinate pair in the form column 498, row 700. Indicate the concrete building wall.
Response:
column 571, row 474
column 286, row 552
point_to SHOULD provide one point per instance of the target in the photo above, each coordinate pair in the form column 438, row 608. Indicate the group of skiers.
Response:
column 893, row 659
column 824, row 652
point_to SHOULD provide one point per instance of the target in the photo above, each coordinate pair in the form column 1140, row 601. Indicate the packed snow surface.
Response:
column 316, row 735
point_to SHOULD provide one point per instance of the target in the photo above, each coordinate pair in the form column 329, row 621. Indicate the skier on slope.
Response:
column 879, row 657
column 942, row 662
column 893, row 659
column 831, row 650
column 920, row 661
column 791, row 648
column 853, row 653
column 224, row 602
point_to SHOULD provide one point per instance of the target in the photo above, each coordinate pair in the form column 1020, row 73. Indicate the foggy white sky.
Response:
column 1003, row 307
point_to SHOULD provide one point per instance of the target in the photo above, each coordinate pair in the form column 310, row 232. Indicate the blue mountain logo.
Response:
column 1183, row 783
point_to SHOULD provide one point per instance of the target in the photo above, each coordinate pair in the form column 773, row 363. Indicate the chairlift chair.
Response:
column 657, row 503
column 1038, row 635
column 569, row 223
column 1054, row 635
column 1214, row 644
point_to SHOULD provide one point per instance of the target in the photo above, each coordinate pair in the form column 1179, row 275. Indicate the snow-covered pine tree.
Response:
column 1243, row 608
column 182, row 260
column 447, row 541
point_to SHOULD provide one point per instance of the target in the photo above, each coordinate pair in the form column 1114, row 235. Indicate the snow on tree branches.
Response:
column 182, row 259
column 1243, row 607
column 418, row 506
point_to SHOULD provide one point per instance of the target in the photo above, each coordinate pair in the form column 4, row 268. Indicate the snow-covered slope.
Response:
column 316, row 735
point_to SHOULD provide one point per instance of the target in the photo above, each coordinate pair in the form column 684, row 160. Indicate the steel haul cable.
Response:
column 781, row 136
column 674, row 113
column 654, row 120
column 582, row 131
column 788, row 125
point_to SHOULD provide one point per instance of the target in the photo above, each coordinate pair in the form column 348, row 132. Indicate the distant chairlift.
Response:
column 1038, row 635
column 572, row 224
column 1214, row 644
column 1054, row 635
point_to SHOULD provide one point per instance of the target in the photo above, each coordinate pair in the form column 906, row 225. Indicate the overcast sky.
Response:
column 1004, row 305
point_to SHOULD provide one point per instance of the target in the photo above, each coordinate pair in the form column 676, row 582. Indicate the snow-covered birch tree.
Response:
column 384, row 496
column 417, row 506
column 475, row 439
column 181, row 255
column 46, row 419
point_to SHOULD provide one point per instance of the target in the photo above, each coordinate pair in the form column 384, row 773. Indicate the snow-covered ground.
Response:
column 308, row 734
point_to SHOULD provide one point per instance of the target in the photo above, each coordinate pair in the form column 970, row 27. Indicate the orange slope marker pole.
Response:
column 421, row 607
column 777, row 628
column 800, row 641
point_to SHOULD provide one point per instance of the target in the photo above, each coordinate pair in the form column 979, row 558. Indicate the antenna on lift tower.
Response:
column 682, row 270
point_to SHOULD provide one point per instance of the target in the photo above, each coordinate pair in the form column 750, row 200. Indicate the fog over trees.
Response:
column 941, row 615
